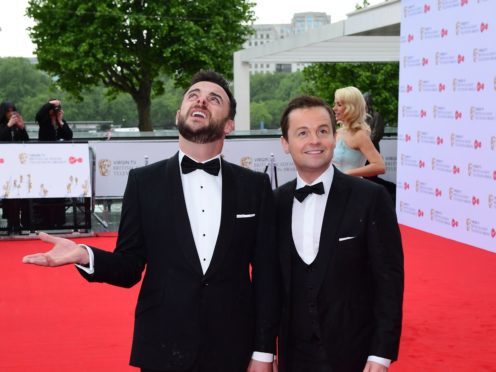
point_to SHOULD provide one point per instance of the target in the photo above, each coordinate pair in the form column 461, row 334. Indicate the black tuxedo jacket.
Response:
column 361, row 291
column 181, row 312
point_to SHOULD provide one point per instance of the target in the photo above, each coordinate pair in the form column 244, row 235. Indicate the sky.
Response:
column 15, row 42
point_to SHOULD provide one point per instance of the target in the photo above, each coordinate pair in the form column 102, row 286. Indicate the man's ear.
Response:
column 285, row 145
column 229, row 126
column 177, row 116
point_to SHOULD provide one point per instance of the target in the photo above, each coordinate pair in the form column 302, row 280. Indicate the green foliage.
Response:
column 364, row 4
column 269, row 95
column 259, row 114
column 379, row 79
column 127, row 45
column 18, row 79
column 29, row 88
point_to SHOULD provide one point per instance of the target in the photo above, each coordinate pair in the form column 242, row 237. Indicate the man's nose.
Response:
column 202, row 100
column 314, row 138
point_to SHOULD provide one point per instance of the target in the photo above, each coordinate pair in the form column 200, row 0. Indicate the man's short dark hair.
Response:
column 305, row 102
column 216, row 78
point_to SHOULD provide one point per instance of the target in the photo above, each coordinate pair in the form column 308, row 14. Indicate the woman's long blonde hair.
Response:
column 355, row 112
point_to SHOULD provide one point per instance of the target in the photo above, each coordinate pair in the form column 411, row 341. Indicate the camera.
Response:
column 57, row 109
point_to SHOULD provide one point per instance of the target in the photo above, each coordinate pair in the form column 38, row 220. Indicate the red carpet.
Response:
column 52, row 320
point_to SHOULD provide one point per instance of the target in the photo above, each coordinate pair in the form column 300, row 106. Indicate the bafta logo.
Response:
column 23, row 157
column 246, row 162
column 104, row 166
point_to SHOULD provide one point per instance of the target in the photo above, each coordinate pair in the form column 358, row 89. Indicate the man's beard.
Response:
column 210, row 133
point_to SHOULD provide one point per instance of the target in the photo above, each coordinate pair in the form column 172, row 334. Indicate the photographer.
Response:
column 12, row 129
column 49, row 213
column 53, row 127
column 11, row 124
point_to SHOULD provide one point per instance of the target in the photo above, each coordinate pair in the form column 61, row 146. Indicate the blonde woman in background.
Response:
column 354, row 148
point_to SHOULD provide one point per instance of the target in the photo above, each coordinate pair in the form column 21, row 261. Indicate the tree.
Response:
column 20, row 79
column 259, row 115
column 127, row 44
column 271, row 93
column 379, row 79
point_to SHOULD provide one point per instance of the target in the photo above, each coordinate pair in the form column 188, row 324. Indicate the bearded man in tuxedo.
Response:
column 204, row 230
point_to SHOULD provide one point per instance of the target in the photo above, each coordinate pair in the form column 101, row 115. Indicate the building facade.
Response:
column 267, row 33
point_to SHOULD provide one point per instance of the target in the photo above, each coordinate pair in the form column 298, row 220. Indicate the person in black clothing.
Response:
column 201, row 232
column 375, row 121
column 11, row 124
column 53, row 127
column 50, row 212
column 12, row 129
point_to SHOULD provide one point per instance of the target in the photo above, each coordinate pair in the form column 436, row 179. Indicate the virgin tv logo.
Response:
column 74, row 160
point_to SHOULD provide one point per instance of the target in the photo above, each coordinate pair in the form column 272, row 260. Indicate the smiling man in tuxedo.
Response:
column 340, row 254
column 198, row 224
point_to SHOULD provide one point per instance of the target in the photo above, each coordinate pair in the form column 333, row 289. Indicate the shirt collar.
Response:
column 182, row 154
column 326, row 178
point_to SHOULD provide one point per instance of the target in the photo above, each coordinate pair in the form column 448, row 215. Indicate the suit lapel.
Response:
column 183, row 227
column 335, row 208
column 285, row 207
column 227, row 217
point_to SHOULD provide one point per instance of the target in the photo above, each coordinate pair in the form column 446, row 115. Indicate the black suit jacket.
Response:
column 182, row 312
column 361, row 291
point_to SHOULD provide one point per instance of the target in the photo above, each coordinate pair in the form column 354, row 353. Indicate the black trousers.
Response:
column 308, row 357
column 204, row 363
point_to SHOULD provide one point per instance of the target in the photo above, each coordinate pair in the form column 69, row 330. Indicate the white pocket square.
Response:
column 245, row 215
column 346, row 238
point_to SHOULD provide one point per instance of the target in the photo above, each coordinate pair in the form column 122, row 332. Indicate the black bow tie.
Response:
column 302, row 193
column 212, row 167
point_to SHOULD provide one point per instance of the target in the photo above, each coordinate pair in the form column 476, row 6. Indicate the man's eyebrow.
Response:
column 216, row 95
column 193, row 90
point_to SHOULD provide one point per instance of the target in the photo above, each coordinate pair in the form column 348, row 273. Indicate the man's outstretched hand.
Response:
column 63, row 252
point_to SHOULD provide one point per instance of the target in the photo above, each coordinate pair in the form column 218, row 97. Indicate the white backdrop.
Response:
column 36, row 170
column 114, row 159
column 447, row 119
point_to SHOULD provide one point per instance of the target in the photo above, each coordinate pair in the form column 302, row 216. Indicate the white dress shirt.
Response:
column 308, row 217
column 306, row 226
column 203, row 197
